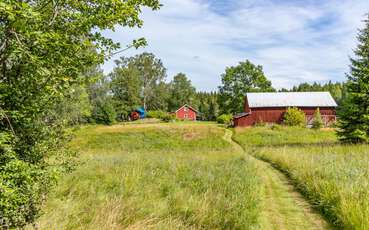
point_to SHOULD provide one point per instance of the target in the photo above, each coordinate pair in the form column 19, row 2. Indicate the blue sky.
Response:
column 294, row 40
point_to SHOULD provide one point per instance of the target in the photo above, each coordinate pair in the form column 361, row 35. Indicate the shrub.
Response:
column 225, row 119
column 317, row 120
column 276, row 127
column 159, row 114
column 104, row 112
column 22, row 187
column 294, row 117
column 168, row 117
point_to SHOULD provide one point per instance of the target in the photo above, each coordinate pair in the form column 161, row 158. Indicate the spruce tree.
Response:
column 317, row 120
column 354, row 115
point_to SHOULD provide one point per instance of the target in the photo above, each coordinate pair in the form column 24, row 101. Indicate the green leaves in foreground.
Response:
column 22, row 186
column 45, row 46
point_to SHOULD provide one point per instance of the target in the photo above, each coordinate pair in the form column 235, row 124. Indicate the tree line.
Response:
column 140, row 81
column 135, row 82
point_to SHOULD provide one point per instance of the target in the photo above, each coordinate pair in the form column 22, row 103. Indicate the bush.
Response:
column 294, row 117
column 317, row 120
column 276, row 127
column 168, row 117
column 104, row 112
column 158, row 114
column 225, row 119
column 22, row 187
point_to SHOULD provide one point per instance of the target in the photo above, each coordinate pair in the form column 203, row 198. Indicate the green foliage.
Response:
column 158, row 114
column 276, row 127
column 294, row 117
column 168, row 117
column 140, row 79
column 207, row 104
column 103, row 105
column 225, row 119
column 104, row 112
column 22, row 186
column 239, row 80
column 46, row 46
column 354, row 114
column 73, row 109
column 317, row 120
column 126, row 88
column 181, row 92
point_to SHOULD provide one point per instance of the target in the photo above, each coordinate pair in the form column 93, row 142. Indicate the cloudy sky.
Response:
column 294, row 40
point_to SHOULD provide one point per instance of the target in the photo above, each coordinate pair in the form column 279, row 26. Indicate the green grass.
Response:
column 334, row 177
column 156, row 176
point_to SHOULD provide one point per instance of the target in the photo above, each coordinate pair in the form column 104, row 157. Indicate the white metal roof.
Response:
column 291, row 99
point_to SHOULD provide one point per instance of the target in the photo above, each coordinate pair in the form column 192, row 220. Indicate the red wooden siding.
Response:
column 186, row 113
column 275, row 115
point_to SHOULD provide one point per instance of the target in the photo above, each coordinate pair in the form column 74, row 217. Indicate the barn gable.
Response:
column 188, row 107
column 186, row 112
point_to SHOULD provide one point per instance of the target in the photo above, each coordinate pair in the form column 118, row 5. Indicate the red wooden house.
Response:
column 270, row 107
column 186, row 112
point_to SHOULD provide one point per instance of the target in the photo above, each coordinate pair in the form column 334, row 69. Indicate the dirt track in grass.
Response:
column 284, row 207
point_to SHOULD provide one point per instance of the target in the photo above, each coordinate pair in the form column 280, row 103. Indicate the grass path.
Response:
column 284, row 208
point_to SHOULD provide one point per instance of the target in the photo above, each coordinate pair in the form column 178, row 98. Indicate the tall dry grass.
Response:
column 152, row 176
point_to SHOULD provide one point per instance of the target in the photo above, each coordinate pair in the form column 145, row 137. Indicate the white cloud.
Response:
column 293, row 42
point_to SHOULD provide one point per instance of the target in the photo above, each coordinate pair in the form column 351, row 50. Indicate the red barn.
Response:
column 270, row 107
column 186, row 112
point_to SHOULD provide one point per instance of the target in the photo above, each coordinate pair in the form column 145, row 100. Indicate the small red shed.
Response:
column 270, row 107
column 186, row 112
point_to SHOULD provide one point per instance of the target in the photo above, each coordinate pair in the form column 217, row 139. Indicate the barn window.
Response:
column 185, row 109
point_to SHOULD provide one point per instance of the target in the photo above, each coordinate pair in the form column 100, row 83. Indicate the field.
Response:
column 194, row 176
column 334, row 177
column 155, row 176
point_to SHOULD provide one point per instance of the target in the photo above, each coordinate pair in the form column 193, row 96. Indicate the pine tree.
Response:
column 354, row 115
column 317, row 120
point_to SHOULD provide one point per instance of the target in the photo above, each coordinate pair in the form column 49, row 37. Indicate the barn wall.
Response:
column 181, row 114
column 246, row 106
column 275, row 115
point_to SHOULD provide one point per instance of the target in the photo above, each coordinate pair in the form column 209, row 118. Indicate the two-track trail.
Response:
column 283, row 206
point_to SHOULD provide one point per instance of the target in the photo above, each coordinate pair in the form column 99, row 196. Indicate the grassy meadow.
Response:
column 156, row 176
column 334, row 177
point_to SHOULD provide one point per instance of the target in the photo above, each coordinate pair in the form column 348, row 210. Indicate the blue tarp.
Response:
column 142, row 112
